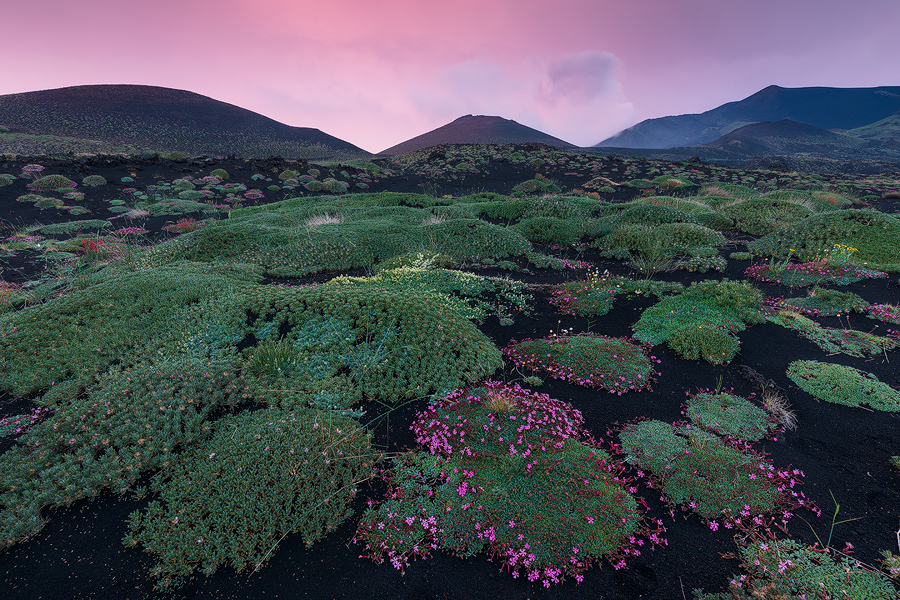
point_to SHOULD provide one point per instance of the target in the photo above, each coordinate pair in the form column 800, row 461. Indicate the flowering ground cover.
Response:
column 148, row 342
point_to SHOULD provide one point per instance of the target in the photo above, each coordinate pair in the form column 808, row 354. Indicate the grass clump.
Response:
column 728, row 414
column 71, row 227
column 540, row 499
column 261, row 476
column 613, row 364
column 840, row 384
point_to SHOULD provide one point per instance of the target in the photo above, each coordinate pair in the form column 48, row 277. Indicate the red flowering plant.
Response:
column 512, row 473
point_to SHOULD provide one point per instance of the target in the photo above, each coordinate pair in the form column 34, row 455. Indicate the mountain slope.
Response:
column 477, row 129
column 822, row 107
column 164, row 119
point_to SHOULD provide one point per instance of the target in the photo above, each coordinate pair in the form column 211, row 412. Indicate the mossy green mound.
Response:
column 843, row 385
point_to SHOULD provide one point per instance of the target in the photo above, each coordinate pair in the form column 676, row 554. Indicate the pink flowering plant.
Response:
column 591, row 298
column 889, row 313
column 613, row 364
column 812, row 273
column 721, row 480
column 511, row 473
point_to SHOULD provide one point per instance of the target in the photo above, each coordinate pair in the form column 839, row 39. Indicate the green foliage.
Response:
column 549, row 230
column 706, row 340
column 740, row 256
column 727, row 414
column 49, row 183
column 788, row 569
column 472, row 239
column 183, row 184
column 261, row 476
column 759, row 216
column 103, row 435
column 591, row 298
column 71, row 227
column 843, row 385
column 473, row 490
column 725, row 304
column 118, row 318
column 671, row 238
column 404, row 344
column 221, row 174
column 416, row 260
column 695, row 468
column 536, row 186
column 613, row 364
column 650, row 214
column 334, row 186
column 876, row 236
column 471, row 296
column 6, row 179
column 825, row 302
column 844, row 341
column 176, row 156
column 288, row 174
column 93, row 181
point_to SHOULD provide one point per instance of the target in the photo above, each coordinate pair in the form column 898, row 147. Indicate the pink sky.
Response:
column 378, row 72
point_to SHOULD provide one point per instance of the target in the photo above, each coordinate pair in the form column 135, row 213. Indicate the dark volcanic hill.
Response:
column 164, row 119
column 785, row 137
column 822, row 107
column 477, row 129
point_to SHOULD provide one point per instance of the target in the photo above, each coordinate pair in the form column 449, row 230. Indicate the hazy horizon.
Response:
column 375, row 76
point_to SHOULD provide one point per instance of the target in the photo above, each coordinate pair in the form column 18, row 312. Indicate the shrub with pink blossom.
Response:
column 812, row 273
column 511, row 473
column 613, row 364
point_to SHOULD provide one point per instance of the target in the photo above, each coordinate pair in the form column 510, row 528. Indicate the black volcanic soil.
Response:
column 842, row 451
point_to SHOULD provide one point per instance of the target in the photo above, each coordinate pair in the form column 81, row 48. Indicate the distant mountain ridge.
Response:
column 822, row 107
column 478, row 129
column 165, row 119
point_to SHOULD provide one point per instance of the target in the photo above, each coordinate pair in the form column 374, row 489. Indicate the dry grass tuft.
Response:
column 137, row 213
column 326, row 219
column 434, row 219
column 714, row 190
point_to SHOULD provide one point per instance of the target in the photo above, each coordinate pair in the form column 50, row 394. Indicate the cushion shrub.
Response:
column 728, row 414
column 103, row 435
column 705, row 340
column 261, row 475
column 542, row 500
column 759, row 216
column 49, row 183
column 613, row 364
column 843, row 385
column 93, row 181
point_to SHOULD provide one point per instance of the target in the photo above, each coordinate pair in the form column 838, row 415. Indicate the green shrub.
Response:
column 416, row 260
column 826, row 303
column 640, row 184
column 51, row 183
column 221, row 174
column 698, row 470
column 176, row 156
column 650, row 214
column 536, row 186
column 7, row 179
column 403, row 344
column 259, row 477
column 740, row 256
column 119, row 318
column 760, row 216
column 288, row 174
column 94, row 181
column 613, row 364
column 843, row 385
column 712, row 343
column 71, row 227
column 471, row 296
column 334, row 186
column 727, row 414
column 729, row 305
column 314, row 186
column 876, row 236
column 549, row 230
column 313, row 172
column 471, row 489
column 788, row 569
column 592, row 298
column 49, row 203
column 472, row 239
column 104, row 435
column 183, row 184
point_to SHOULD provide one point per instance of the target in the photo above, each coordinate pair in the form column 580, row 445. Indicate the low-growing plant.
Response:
column 51, row 183
column 713, row 479
column 727, row 414
column 542, row 499
column 889, row 313
column 613, row 364
column 843, row 385
column 93, row 181
column 261, row 476
column 844, row 341
column 811, row 273
column 822, row 302
column 787, row 569
column 707, row 340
